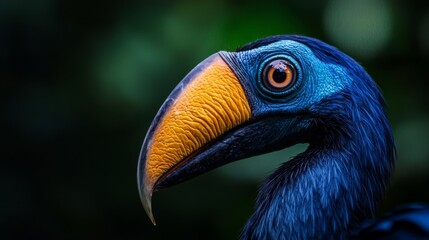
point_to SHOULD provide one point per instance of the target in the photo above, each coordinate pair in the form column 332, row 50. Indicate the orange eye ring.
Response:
column 279, row 75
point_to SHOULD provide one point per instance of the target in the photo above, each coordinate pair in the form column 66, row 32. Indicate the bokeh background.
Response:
column 82, row 80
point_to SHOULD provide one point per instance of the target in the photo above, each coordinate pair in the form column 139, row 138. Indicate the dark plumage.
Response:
column 334, row 105
column 351, row 141
column 406, row 222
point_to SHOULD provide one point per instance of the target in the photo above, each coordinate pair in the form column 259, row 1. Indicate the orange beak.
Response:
column 207, row 103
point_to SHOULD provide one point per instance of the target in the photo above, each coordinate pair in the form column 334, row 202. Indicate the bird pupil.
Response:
column 279, row 75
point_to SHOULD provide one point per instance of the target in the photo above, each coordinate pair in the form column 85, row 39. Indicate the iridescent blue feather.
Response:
column 337, row 182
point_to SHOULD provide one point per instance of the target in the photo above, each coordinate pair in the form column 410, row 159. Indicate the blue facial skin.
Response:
column 315, row 79
column 335, row 107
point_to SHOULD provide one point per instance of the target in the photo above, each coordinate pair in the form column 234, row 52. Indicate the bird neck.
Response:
column 333, row 185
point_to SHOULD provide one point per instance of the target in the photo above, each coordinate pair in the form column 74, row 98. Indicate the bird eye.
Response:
column 278, row 75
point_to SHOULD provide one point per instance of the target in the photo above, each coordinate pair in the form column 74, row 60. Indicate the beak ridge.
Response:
column 207, row 103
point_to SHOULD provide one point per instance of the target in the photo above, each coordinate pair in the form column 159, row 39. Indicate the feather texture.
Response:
column 337, row 182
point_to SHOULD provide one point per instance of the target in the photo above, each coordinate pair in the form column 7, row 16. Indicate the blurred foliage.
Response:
column 82, row 80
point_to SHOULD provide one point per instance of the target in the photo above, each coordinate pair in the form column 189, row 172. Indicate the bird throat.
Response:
column 326, row 190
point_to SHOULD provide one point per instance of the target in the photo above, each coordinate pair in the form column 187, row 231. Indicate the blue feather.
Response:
column 337, row 181
column 331, row 189
column 406, row 222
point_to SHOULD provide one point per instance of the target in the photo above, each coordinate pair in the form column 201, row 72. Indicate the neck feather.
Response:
column 336, row 182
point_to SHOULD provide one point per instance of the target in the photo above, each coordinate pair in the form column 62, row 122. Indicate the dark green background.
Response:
column 82, row 80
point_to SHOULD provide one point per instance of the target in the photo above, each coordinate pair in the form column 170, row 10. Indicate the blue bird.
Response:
column 268, row 95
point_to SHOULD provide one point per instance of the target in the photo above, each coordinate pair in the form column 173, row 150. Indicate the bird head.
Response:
column 263, row 97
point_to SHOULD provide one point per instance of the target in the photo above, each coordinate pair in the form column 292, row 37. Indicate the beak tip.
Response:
column 146, row 199
column 145, row 193
column 150, row 214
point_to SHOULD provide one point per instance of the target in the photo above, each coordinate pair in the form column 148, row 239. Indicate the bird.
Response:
column 268, row 95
